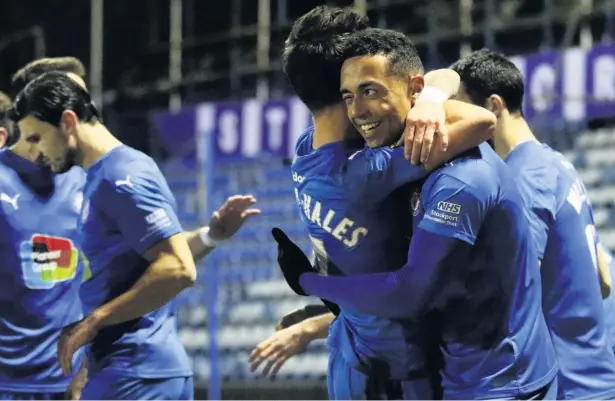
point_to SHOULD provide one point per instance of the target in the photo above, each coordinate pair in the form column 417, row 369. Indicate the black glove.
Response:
column 292, row 260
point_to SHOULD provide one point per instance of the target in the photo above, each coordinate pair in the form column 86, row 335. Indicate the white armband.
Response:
column 432, row 94
column 206, row 238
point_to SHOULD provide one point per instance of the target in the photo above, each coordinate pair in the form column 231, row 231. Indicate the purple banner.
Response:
column 253, row 128
column 600, row 81
column 573, row 85
column 543, row 86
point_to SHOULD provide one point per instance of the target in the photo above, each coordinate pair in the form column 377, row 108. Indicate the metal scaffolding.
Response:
column 245, row 59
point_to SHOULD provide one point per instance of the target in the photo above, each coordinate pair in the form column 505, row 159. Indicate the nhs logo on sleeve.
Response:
column 449, row 207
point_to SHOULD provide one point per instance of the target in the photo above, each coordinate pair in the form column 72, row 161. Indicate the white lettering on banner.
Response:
column 228, row 133
column 252, row 128
column 275, row 118
column 574, row 87
column 275, row 126
column 604, row 78
column 542, row 87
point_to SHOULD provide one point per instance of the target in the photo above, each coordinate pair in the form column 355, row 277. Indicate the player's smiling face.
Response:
column 377, row 100
column 48, row 146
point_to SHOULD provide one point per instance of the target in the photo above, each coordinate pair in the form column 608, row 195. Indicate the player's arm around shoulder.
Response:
column 467, row 126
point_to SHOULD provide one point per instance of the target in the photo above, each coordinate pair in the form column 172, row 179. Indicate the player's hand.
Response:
column 425, row 120
column 292, row 260
column 78, row 383
column 278, row 349
column 227, row 220
column 73, row 337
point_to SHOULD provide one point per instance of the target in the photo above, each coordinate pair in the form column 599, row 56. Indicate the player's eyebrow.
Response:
column 361, row 86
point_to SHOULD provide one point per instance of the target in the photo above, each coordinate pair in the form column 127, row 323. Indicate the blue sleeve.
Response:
column 453, row 208
column 400, row 294
column 137, row 199
column 378, row 172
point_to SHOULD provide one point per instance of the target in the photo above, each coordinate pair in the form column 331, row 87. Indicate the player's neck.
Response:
column 330, row 125
column 510, row 132
column 95, row 142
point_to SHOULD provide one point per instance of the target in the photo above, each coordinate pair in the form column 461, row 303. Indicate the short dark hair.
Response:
column 5, row 117
column 313, row 53
column 395, row 46
column 484, row 73
column 49, row 95
column 38, row 67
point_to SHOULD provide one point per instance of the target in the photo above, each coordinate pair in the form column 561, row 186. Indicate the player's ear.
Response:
column 415, row 87
column 4, row 137
column 69, row 122
column 495, row 104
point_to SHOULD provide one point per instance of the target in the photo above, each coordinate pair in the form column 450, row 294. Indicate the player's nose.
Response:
column 358, row 111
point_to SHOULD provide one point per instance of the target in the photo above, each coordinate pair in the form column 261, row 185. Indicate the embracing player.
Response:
column 562, row 223
column 138, row 255
column 369, row 356
column 471, row 267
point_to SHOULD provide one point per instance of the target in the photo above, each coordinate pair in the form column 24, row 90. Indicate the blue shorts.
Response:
column 345, row 382
column 9, row 395
column 113, row 386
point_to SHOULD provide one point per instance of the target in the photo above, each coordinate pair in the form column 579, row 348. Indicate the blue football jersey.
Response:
column 128, row 207
column 40, row 272
column 475, row 199
column 358, row 224
column 495, row 342
column 563, row 230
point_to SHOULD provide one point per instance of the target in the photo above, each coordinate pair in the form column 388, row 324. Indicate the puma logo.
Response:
column 12, row 201
column 124, row 182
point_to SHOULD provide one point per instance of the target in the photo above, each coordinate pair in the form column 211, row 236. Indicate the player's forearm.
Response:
column 604, row 271
column 467, row 126
column 446, row 80
column 162, row 281
column 400, row 294
column 317, row 327
column 198, row 248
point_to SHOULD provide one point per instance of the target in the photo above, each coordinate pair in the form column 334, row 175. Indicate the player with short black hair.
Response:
column 486, row 72
column 471, row 266
column 313, row 51
column 68, row 65
column 562, row 228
